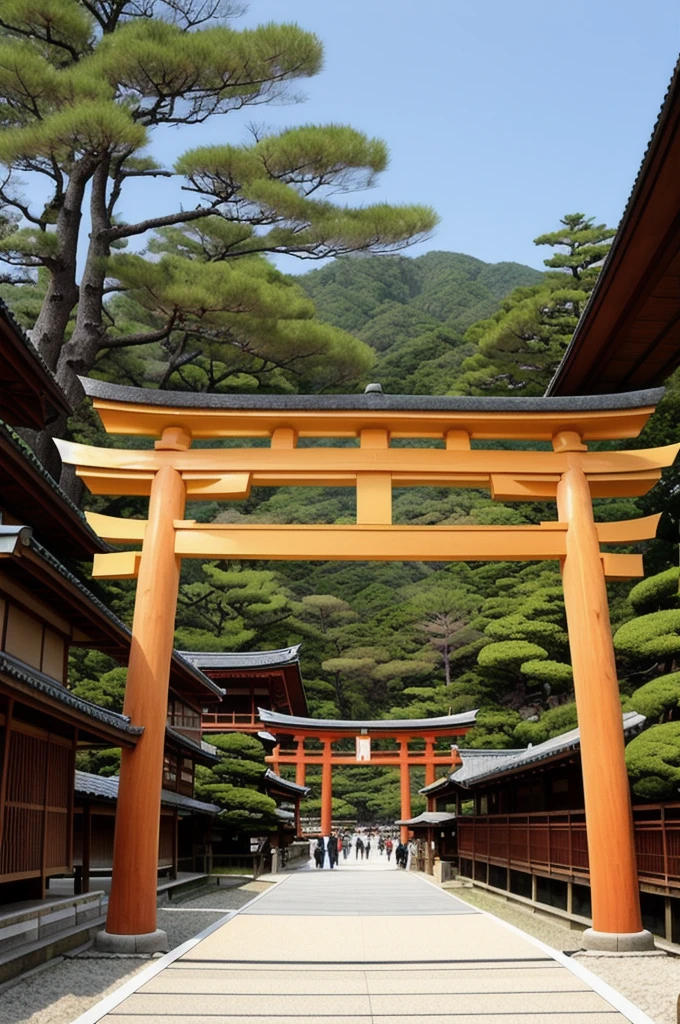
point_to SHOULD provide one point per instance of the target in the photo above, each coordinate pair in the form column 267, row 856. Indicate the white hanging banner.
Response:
column 363, row 748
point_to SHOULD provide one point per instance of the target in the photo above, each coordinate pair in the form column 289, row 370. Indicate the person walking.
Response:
column 319, row 852
column 340, row 847
column 368, row 848
column 400, row 855
column 346, row 847
column 332, row 850
column 389, row 845
column 359, row 848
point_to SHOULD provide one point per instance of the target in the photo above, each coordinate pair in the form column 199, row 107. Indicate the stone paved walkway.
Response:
column 365, row 944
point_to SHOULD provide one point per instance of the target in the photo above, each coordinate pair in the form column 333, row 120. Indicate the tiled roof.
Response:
column 429, row 818
column 200, row 752
column 106, row 787
column 242, row 659
column 292, row 787
column 29, row 456
column 45, row 377
column 371, row 401
column 484, row 764
column 45, row 684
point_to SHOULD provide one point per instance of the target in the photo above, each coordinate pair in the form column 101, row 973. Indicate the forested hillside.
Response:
column 414, row 312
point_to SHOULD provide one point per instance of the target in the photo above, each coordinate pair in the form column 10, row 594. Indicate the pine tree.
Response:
column 84, row 84
column 520, row 347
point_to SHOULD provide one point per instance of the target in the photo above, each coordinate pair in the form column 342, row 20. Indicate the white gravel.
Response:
column 650, row 980
column 64, row 988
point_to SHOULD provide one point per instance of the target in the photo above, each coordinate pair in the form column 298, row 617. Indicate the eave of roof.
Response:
column 272, row 719
column 197, row 752
column 106, row 788
column 276, row 782
column 429, row 818
column 484, row 765
column 36, row 398
column 242, row 660
column 225, row 665
column 646, row 242
column 44, row 685
column 116, row 636
column 31, row 492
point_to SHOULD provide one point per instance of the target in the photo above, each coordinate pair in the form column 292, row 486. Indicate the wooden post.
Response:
column 132, row 906
column 276, row 753
column 609, row 819
column 327, row 789
column 429, row 852
column 405, row 780
column 5, row 766
column 430, row 767
column 300, row 766
column 87, row 846
column 175, row 842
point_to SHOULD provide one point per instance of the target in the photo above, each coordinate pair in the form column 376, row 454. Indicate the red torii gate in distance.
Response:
column 329, row 731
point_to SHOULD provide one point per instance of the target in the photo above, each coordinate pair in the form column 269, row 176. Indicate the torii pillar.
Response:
column 611, row 845
column 327, row 789
column 131, row 919
column 405, row 786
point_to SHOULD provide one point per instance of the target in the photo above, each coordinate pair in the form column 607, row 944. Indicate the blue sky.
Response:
column 502, row 116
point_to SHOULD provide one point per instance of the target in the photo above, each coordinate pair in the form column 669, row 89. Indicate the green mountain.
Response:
column 414, row 312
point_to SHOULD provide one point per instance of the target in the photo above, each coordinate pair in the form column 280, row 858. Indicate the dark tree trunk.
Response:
column 79, row 353
column 62, row 290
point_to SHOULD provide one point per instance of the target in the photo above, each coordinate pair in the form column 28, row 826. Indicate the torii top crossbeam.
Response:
column 373, row 469
column 294, row 725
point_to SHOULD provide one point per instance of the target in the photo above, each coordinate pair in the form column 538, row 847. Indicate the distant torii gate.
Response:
column 330, row 731
column 567, row 472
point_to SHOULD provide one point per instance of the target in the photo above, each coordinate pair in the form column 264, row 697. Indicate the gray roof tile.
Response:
column 106, row 787
column 24, row 673
column 372, row 401
column 242, row 659
column 483, row 764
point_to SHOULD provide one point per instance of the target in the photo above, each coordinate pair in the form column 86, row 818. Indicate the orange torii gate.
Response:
column 330, row 731
column 565, row 471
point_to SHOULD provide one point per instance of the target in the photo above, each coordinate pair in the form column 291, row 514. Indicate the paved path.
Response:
column 360, row 945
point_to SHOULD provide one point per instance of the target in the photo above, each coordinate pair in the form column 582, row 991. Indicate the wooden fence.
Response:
column 555, row 841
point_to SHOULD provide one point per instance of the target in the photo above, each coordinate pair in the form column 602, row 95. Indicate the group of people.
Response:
column 326, row 850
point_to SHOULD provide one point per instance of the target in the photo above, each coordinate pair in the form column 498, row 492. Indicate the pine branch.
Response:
column 127, row 230
column 141, row 338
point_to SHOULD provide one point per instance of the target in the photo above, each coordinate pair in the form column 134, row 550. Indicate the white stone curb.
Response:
column 108, row 1003
column 633, row 1013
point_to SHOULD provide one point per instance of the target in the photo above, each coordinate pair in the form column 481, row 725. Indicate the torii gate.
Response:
column 329, row 731
column 570, row 474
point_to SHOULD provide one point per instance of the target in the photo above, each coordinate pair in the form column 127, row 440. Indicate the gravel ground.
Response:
column 64, row 988
column 650, row 980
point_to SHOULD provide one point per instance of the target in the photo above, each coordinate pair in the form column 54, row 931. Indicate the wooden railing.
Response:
column 555, row 841
column 214, row 722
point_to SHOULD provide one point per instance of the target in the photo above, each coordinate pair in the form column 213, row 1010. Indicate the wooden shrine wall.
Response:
column 36, row 802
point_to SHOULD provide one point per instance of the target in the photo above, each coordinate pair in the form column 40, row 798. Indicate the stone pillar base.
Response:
column 617, row 942
column 150, row 942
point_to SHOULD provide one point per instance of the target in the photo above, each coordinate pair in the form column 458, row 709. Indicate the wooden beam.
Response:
column 314, row 466
column 371, row 543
